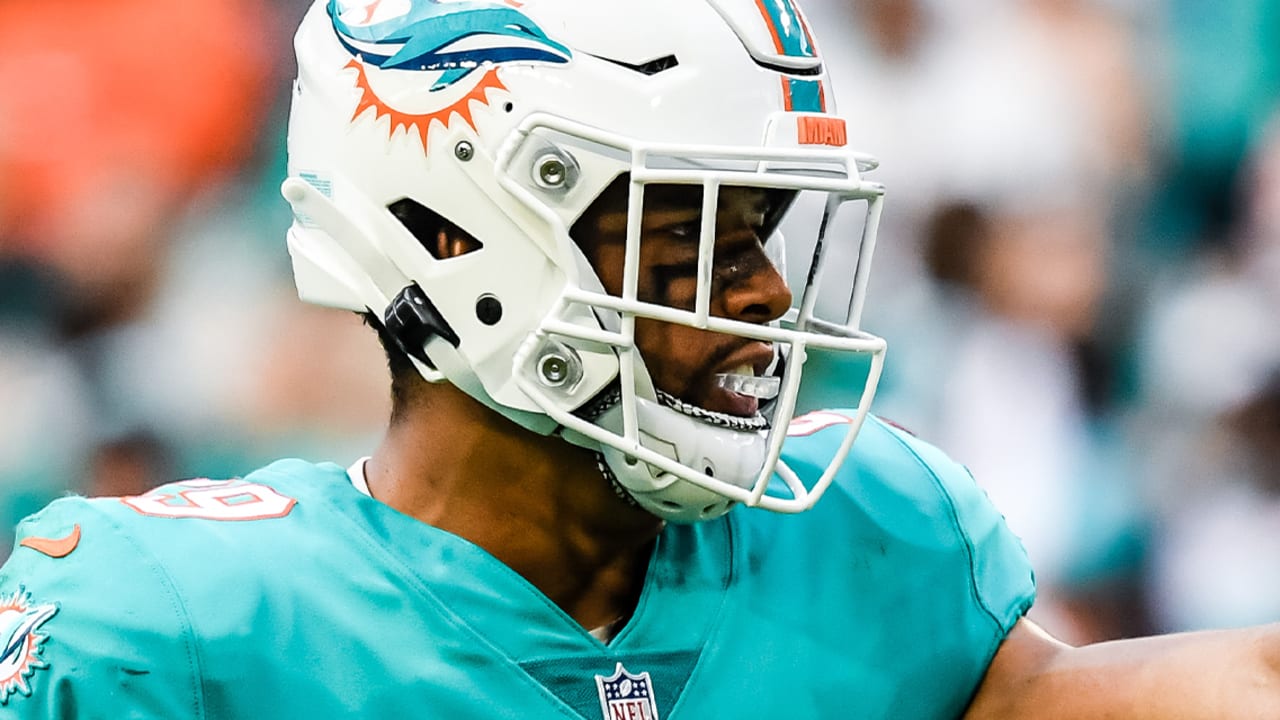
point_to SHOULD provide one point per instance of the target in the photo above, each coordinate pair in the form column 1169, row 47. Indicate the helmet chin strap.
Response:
column 612, row 395
column 674, row 499
column 755, row 423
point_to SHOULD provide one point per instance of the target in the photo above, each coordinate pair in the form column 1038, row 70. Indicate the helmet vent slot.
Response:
column 652, row 67
column 442, row 238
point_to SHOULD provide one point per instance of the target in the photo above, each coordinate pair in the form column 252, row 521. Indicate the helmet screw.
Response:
column 464, row 151
column 551, row 172
column 553, row 369
column 558, row 366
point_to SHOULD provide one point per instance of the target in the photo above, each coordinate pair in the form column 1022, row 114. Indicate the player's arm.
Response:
column 1219, row 674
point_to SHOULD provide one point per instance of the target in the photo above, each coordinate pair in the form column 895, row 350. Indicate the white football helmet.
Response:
column 509, row 119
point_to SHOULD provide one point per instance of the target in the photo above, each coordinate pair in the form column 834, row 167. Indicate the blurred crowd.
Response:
column 1078, row 272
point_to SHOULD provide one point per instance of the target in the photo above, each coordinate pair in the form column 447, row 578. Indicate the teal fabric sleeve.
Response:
column 94, row 627
column 1002, row 578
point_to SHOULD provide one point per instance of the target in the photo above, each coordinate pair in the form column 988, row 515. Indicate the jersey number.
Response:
column 212, row 500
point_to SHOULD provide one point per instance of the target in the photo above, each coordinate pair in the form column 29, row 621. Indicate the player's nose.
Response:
column 757, row 295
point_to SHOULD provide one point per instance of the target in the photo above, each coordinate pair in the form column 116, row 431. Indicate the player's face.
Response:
column 746, row 285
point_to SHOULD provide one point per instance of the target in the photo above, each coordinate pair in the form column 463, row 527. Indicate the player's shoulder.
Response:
column 915, row 505
column 181, row 544
column 198, row 522
column 884, row 454
column 104, row 593
column 891, row 477
column 269, row 493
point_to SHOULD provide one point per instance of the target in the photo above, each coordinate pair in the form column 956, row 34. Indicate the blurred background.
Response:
column 1078, row 272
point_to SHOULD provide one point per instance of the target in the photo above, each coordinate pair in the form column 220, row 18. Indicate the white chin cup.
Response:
column 724, row 458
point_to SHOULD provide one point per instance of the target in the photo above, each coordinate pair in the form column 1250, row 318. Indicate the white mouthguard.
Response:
column 764, row 388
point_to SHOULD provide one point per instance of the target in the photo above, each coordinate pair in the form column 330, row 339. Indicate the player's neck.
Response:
column 538, row 504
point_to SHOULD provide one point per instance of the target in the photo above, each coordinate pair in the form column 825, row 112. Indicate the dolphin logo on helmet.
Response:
column 453, row 38
column 449, row 39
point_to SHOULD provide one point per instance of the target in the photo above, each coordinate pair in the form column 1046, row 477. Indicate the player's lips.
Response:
column 753, row 359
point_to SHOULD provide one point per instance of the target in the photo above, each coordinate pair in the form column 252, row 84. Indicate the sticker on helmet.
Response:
column 818, row 130
column 438, row 56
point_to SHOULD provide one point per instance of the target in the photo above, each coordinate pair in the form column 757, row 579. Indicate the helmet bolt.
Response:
column 464, row 151
column 551, row 172
column 554, row 369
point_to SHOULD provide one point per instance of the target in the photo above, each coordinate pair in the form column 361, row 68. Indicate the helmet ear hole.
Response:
column 438, row 235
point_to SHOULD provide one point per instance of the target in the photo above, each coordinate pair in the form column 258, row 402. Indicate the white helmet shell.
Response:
column 509, row 119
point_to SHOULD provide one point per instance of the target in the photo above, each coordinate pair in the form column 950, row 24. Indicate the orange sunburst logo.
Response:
column 421, row 123
column 20, row 644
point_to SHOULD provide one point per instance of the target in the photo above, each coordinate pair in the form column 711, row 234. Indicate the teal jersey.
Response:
column 290, row 594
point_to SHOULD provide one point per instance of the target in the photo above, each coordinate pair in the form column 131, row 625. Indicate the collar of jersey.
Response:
column 685, row 587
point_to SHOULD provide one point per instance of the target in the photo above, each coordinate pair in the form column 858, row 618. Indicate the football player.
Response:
column 595, row 497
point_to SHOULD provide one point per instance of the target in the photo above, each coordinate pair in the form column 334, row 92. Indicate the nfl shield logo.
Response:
column 624, row 696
